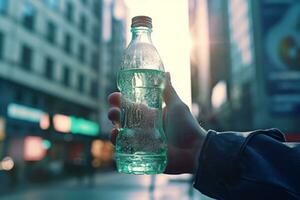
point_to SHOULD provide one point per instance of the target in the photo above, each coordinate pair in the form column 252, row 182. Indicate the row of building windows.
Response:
column 51, row 35
column 33, row 98
column 27, row 54
column 69, row 13
column 28, row 21
column 26, row 59
column 69, row 7
column 54, row 5
column 29, row 14
column 68, row 46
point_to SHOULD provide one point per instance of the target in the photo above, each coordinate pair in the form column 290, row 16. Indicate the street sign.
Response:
column 71, row 124
column 25, row 113
column 84, row 127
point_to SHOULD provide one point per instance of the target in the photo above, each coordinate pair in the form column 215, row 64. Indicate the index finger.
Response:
column 114, row 99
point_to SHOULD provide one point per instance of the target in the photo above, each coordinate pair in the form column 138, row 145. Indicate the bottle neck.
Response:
column 141, row 34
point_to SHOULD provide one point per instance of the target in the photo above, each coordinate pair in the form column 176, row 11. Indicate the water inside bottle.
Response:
column 141, row 143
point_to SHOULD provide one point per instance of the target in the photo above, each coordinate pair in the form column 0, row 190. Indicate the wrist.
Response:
column 198, row 148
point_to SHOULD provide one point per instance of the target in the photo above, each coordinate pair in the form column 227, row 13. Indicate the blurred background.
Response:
column 236, row 63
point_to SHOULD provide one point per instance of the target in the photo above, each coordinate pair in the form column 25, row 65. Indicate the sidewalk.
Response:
column 112, row 186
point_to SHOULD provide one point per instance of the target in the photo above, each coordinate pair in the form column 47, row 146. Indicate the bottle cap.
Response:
column 141, row 21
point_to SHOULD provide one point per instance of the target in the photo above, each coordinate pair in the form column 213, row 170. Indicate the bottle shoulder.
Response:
column 142, row 55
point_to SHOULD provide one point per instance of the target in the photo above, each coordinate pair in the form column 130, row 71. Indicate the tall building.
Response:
column 50, row 63
column 210, row 60
column 253, row 70
column 200, row 74
column 231, row 65
column 264, row 71
column 113, row 45
column 242, row 69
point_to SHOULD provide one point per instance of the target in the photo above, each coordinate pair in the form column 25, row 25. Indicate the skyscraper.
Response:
column 253, row 70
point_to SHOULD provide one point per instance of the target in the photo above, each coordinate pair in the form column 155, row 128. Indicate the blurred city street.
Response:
column 234, row 63
column 112, row 186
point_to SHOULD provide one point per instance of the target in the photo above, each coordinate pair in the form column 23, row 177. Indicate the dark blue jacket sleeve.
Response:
column 253, row 165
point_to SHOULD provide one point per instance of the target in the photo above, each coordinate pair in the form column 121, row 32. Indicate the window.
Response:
column 51, row 32
column 96, row 8
column 68, row 43
column 1, row 45
column 28, row 16
column 69, row 11
column 35, row 100
column 26, row 57
column 19, row 95
column 49, row 68
column 80, row 82
column 84, row 2
column 3, row 6
column 81, row 51
column 95, row 61
column 297, row 27
column 82, row 24
column 94, row 89
column 52, row 4
column 96, row 34
column 66, row 76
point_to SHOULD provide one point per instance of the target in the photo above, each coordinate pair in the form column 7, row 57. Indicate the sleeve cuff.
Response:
column 219, row 157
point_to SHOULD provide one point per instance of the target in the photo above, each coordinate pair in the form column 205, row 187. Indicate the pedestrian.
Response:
column 228, row 165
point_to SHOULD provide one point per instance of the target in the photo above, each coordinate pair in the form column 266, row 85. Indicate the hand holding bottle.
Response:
column 184, row 135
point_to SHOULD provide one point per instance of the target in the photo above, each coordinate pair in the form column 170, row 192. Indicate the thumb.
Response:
column 170, row 95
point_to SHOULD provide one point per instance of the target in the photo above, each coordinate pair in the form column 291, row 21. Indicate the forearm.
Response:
column 241, row 165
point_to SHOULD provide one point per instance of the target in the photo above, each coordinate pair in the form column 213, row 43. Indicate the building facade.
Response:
column 265, row 78
column 50, row 62
column 242, row 70
column 253, row 78
column 112, row 48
